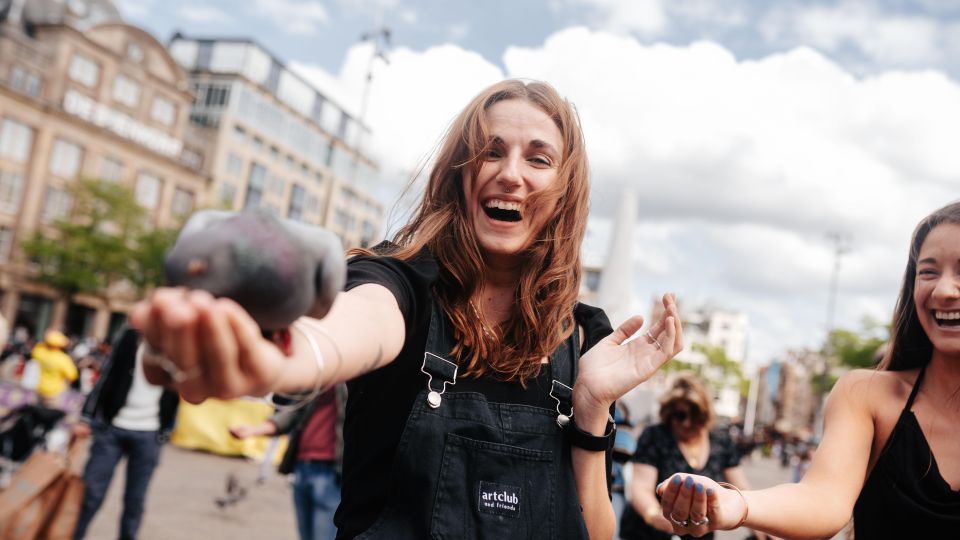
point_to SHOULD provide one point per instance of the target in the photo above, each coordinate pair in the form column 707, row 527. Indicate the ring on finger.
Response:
column 678, row 522
column 174, row 374
column 654, row 341
column 699, row 522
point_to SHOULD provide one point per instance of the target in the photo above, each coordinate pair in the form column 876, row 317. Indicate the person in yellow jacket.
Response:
column 56, row 367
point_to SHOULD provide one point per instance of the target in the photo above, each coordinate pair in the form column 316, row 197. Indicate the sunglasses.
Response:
column 681, row 416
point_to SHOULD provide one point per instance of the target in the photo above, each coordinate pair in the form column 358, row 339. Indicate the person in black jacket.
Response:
column 127, row 416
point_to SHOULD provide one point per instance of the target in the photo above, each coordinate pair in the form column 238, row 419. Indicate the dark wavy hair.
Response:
column 546, row 293
column 910, row 347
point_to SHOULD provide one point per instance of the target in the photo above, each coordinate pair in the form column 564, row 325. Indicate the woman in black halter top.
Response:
column 890, row 453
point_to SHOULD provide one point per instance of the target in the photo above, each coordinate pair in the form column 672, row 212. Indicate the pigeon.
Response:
column 277, row 269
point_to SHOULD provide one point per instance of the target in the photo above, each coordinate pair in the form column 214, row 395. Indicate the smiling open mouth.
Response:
column 947, row 318
column 503, row 211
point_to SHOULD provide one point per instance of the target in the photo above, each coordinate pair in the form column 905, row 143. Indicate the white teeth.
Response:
column 947, row 315
column 503, row 205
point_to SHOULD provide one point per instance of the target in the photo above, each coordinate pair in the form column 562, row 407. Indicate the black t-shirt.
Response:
column 379, row 402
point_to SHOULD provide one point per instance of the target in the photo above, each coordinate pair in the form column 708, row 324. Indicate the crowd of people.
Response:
column 481, row 394
column 54, row 363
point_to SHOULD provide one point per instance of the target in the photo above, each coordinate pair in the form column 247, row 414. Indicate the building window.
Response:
column 57, row 205
column 15, row 140
column 274, row 153
column 297, row 196
column 126, row 91
column 182, row 203
column 25, row 81
column 191, row 158
column 84, row 70
column 255, row 186
column 234, row 165
column 211, row 96
column 135, row 52
column 313, row 203
column 228, row 193
column 6, row 243
column 65, row 159
column 257, row 144
column 163, row 111
column 11, row 189
column 147, row 190
column 239, row 134
column 111, row 170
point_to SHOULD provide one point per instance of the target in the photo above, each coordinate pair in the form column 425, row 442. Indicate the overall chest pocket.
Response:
column 493, row 491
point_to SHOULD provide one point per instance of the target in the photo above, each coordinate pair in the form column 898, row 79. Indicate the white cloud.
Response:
column 293, row 16
column 408, row 15
column 646, row 17
column 458, row 31
column 134, row 9
column 741, row 166
column 886, row 39
column 203, row 13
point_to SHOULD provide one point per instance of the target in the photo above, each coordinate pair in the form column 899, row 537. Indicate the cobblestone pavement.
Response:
column 181, row 502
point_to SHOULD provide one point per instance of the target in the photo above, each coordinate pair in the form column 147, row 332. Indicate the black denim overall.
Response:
column 470, row 468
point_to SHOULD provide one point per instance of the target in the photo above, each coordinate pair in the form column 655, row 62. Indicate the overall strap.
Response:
column 439, row 370
column 563, row 367
column 915, row 390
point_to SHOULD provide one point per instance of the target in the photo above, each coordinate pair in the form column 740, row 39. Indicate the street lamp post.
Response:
column 380, row 36
column 841, row 246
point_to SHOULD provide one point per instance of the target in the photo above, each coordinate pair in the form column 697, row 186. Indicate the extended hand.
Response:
column 213, row 344
column 615, row 365
column 696, row 505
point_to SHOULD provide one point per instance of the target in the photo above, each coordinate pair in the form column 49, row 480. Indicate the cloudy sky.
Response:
column 750, row 130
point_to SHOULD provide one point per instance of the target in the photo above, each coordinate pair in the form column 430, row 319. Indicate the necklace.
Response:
column 483, row 325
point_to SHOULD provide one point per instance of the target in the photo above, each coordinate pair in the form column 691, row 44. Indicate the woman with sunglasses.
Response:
column 682, row 442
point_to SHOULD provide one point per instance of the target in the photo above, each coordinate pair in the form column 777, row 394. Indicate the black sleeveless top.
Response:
column 905, row 496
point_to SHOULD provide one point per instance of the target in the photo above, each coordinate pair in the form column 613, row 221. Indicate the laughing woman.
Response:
column 480, row 390
column 890, row 452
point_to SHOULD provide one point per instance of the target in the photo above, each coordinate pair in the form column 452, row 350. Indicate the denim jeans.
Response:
column 110, row 443
column 316, row 495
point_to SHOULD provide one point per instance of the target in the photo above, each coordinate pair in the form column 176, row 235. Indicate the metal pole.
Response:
column 381, row 42
column 840, row 248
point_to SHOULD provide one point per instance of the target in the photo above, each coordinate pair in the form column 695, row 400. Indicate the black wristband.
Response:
column 581, row 439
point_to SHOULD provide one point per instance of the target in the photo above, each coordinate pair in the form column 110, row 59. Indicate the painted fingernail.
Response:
column 675, row 481
column 699, row 487
column 709, row 492
column 688, row 482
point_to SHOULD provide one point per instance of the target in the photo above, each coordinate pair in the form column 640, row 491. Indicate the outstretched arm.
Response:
column 608, row 371
column 221, row 353
column 817, row 507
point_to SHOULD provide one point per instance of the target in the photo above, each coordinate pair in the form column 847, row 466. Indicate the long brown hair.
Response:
column 910, row 347
column 550, row 276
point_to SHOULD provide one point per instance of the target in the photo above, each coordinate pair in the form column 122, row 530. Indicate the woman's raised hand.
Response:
column 617, row 364
column 204, row 346
column 696, row 505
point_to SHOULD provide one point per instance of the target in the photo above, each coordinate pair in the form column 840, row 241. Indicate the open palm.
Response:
column 617, row 363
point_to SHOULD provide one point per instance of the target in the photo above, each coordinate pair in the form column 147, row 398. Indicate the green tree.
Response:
column 89, row 249
column 858, row 348
column 147, row 261
column 105, row 240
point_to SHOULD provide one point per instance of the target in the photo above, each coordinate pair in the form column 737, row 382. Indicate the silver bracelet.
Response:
column 299, row 399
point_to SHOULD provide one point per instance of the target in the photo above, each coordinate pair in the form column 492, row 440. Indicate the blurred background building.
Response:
column 201, row 123
column 786, row 399
column 276, row 141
